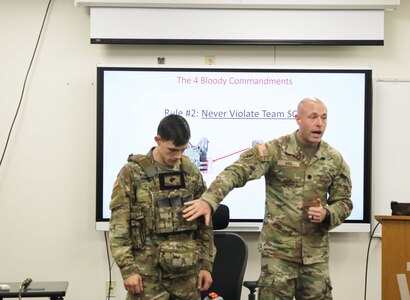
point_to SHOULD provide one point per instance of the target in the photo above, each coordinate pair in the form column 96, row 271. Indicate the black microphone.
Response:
column 24, row 285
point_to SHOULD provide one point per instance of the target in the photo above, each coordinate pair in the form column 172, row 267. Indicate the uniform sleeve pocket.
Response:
column 138, row 229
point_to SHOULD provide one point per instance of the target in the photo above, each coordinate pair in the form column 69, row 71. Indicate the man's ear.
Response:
column 297, row 118
column 157, row 139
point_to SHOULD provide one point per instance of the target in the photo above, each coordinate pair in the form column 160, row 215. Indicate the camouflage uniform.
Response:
column 293, row 182
column 155, row 242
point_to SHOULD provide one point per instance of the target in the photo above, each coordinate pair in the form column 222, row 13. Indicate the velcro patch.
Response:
column 288, row 163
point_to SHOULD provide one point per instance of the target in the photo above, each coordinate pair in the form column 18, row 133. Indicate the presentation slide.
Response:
column 229, row 111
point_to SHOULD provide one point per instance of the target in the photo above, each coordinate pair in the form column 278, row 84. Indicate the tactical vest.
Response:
column 161, row 196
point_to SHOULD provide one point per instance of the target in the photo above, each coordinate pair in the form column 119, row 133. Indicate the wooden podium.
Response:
column 395, row 257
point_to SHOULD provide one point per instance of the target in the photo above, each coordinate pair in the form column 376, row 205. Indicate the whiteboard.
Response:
column 391, row 144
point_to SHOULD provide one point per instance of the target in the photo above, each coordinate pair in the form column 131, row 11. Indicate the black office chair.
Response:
column 252, row 286
column 231, row 258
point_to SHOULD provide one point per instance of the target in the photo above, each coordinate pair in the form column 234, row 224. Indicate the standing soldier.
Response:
column 308, row 191
column 160, row 254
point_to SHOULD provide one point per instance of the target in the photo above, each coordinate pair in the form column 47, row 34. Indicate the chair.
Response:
column 252, row 286
column 231, row 258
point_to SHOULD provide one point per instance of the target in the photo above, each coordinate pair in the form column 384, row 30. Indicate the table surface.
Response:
column 36, row 289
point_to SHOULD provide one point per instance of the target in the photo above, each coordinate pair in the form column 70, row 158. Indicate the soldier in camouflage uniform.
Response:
column 308, row 191
column 160, row 254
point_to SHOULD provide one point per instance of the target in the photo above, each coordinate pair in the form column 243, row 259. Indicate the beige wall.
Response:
column 47, row 178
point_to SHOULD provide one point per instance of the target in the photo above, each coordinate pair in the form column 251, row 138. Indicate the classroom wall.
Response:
column 47, row 176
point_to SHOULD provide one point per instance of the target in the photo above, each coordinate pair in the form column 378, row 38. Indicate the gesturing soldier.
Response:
column 308, row 191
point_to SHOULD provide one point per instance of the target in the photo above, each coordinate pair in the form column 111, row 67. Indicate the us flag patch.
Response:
column 116, row 183
column 262, row 150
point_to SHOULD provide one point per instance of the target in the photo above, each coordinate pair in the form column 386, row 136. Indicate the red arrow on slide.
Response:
column 229, row 154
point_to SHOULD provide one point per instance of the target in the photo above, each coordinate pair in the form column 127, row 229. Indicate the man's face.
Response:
column 168, row 153
column 312, row 120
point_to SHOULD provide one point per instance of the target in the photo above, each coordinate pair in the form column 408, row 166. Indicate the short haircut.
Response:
column 174, row 128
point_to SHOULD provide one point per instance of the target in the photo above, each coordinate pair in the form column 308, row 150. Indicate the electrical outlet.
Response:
column 210, row 60
column 111, row 289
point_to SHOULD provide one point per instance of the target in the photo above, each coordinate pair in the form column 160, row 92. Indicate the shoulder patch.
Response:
column 262, row 150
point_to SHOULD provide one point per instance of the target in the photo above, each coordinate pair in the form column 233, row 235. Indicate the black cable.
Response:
column 367, row 261
column 110, row 265
column 25, row 81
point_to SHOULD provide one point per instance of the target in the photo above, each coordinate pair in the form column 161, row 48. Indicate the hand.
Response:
column 197, row 208
column 204, row 280
column 133, row 284
column 317, row 214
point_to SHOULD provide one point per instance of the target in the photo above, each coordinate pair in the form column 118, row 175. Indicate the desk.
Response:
column 54, row 290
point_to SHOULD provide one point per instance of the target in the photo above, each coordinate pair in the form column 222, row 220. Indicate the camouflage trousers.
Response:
column 180, row 288
column 282, row 280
